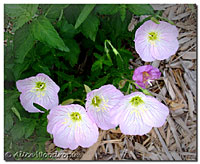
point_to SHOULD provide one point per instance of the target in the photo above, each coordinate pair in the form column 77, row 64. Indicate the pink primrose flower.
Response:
column 143, row 75
column 71, row 127
column 137, row 113
column 39, row 89
column 156, row 41
column 100, row 103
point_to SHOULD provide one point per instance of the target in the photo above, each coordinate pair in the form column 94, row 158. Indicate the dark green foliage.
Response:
column 90, row 27
column 139, row 9
column 72, row 12
column 21, row 12
column 18, row 131
column 108, row 9
column 78, row 46
column 84, row 14
column 53, row 11
column 23, row 42
column 43, row 31
column 73, row 55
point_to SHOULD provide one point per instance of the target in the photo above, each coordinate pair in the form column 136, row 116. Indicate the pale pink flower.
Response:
column 137, row 113
column 71, row 127
column 39, row 89
column 100, row 103
column 156, row 41
column 144, row 75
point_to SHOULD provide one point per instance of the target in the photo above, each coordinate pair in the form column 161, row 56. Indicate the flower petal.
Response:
column 167, row 29
column 155, row 73
column 26, row 84
column 57, row 114
column 133, row 124
column 64, row 136
column 86, row 133
column 27, row 99
column 50, row 83
column 48, row 101
column 156, row 113
column 143, row 49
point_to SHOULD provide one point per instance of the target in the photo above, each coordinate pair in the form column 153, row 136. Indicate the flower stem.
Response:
column 143, row 90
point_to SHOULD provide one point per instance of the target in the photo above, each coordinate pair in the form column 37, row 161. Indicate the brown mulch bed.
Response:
column 176, row 139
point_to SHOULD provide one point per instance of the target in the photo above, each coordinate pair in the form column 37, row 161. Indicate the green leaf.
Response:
column 30, row 127
column 84, row 14
column 8, row 121
column 23, row 42
column 15, row 111
column 18, row 131
column 21, row 12
column 140, row 9
column 39, row 107
column 43, row 31
column 73, row 55
column 107, row 62
column 101, row 81
column 107, row 9
column 10, row 98
column 66, row 102
column 72, row 12
column 39, row 67
column 87, row 89
column 97, row 56
column 70, row 101
column 116, row 25
column 96, row 65
column 67, row 30
column 122, row 84
column 20, row 68
column 122, row 12
column 53, row 11
column 90, row 27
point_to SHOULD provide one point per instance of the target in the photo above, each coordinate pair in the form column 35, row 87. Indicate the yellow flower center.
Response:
column 96, row 101
column 137, row 100
column 138, row 106
column 100, row 103
column 75, row 116
column 145, row 76
column 40, row 86
column 39, row 89
column 153, row 37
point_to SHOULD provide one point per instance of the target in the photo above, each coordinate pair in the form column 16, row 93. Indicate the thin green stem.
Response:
column 61, row 14
column 113, row 48
column 143, row 90
column 128, row 90
column 48, row 10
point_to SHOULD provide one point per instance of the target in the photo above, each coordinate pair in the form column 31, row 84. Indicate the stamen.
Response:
column 65, row 122
column 96, row 101
column 138, row 110
column 75, row 116
column 136, row 100
column 102, row 106
column 153, row 37
column 39, row 89
column 149, row 82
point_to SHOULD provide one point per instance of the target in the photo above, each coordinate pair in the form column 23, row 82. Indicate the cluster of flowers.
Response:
column 73, row 125
column 106, row 107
